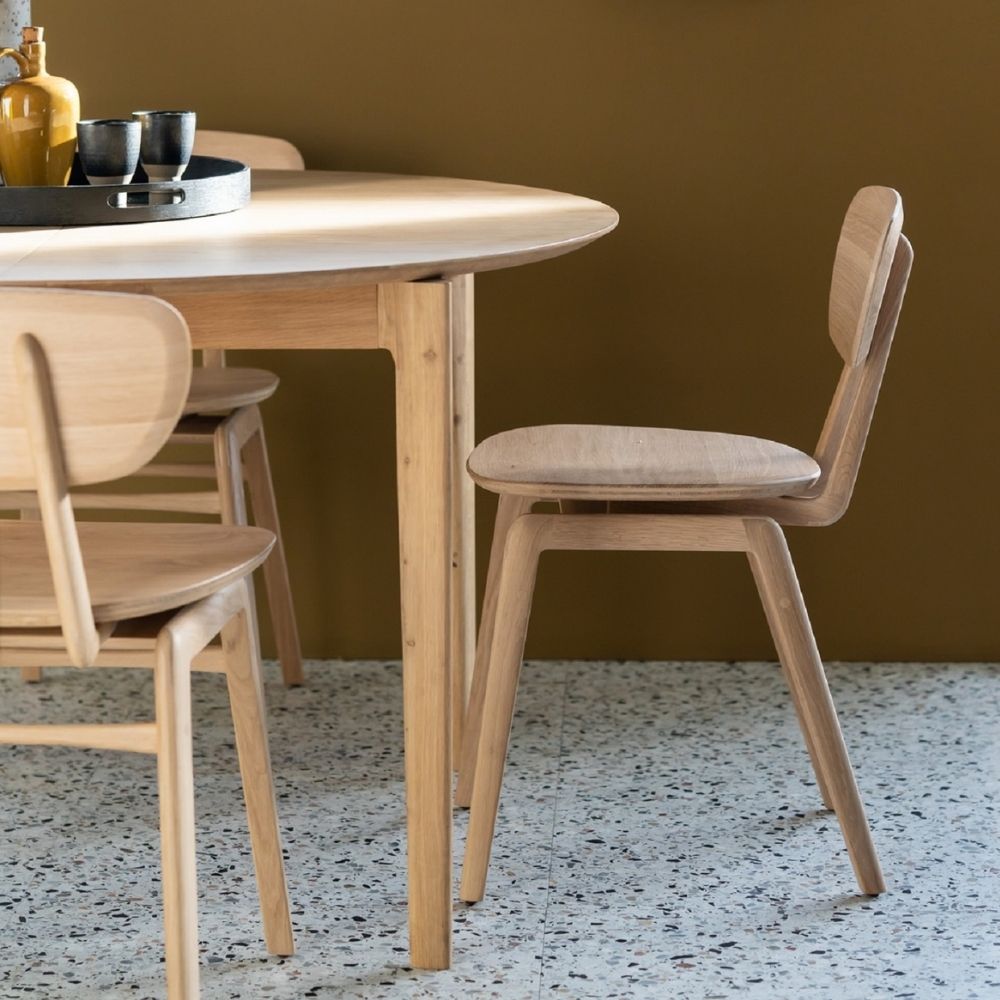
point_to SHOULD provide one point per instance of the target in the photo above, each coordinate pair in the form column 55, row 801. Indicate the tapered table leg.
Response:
column 463, row 510
column 415, row 325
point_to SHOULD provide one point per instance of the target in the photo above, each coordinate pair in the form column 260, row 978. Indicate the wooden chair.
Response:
column 656, row 489
column 91, row 386
column 222, row 411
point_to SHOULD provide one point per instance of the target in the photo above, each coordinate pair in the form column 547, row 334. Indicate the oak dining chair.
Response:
column 222, row 412
column 625, row 488
column 91, row 386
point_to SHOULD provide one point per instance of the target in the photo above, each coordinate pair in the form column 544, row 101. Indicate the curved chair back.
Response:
column 870, row 273
column 261, row 152
column 116, row 369
column 865, row 252
column 91, row 386
column 849, row 419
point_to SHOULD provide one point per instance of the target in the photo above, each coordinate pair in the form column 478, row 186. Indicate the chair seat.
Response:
column 580, row 461
column 132, row 569
column 216, row 390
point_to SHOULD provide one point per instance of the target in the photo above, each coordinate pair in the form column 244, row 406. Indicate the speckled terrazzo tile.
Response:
column 712, row 823
column 336, row 748
column 660, row 837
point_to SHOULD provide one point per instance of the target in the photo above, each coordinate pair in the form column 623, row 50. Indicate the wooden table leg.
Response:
column 463, row 509
column 415, row 325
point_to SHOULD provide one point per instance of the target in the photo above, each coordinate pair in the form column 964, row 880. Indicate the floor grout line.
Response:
column 552, row 839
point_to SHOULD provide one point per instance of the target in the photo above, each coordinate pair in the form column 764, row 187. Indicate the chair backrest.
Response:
column 119, row 368
column 91, row 386
column 865, row 253
column 263, row 152
column 845, row 431
column 870, row 275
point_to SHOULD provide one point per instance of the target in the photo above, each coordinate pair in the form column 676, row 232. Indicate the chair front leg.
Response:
column 509, row 510
column 796, row 645
column 172, row 681
column 516, row 586
column 246, row 697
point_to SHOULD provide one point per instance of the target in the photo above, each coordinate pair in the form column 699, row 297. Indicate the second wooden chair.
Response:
column 660, row 489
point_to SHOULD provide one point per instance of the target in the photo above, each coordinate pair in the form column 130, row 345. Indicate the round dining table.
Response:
column 337, row 260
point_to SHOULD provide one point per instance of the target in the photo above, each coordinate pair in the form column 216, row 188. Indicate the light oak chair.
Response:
column 91, row 386
column 627, row 488
column 222, row 412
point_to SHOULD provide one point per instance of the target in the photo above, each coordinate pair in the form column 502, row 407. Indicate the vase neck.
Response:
column 34, row 52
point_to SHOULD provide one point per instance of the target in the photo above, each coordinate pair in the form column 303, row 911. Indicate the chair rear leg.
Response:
column 31, row 675
column 509, row 510
column 246, row 697
column 176, row 788
column 796, row 645
column 232, row 496
column 517, row 582
column 275, row 569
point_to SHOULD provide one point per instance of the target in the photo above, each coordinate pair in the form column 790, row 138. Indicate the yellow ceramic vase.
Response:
column 38, row 117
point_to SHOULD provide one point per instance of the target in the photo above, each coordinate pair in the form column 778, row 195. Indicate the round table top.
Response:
column 338, row 228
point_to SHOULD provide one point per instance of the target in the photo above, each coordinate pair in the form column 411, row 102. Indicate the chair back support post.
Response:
column 61, row 539
column 848, row 421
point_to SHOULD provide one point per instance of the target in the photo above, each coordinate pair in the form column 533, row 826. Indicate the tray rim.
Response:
column 52, row 205
column 133, row 185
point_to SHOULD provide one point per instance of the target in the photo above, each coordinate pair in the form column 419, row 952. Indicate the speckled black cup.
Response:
column 167, row 141
column 109, row 149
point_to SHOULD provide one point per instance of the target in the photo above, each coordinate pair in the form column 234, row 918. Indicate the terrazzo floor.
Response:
column 660, row 837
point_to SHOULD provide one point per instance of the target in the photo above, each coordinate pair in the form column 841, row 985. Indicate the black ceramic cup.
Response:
column 167, row 141
column 109, row 149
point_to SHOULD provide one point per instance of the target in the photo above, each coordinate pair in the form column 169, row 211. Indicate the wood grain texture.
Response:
column 131, row 569
column 115, row 408
column 299, row 268
column 239, row 314
column 511, row 507
column 340, row 228
column 727, row 510
column 264, row 506
column 246, row 700
column 531, row 534
column 132, row 737
column 59, row 557
column 845, row 430
column 463, row 503
column 416, row 327
column 517, row 584
column 865, row 253
column 796, row 645
column 177, row 501
column 175, row 774
column 171, row 644
column 217, row 389
column 598, row 462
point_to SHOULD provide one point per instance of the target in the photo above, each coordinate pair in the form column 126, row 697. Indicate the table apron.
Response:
column 266, row 318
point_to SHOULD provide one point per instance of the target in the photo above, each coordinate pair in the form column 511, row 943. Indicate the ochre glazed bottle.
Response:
column 38, row 117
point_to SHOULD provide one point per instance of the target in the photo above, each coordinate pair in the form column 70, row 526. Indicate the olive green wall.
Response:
column 730, row 135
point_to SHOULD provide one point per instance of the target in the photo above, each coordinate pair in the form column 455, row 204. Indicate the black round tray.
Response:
column 210, row 186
